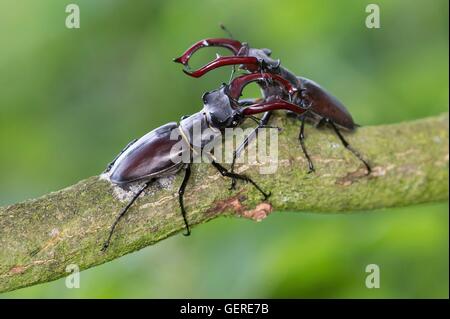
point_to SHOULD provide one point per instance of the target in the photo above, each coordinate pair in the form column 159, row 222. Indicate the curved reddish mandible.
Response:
column 222, row 61
column 272, row 106
column 232, row 45
column 238, row 84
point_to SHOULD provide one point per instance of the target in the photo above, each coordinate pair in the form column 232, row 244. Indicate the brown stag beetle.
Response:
column 322, row 107
column 157, row 154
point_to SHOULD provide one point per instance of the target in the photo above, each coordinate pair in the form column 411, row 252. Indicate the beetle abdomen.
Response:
column 326, row 105
column 148, row 157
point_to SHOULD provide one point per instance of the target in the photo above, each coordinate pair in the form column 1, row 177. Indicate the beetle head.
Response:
column 262, row 55
column 220, row 108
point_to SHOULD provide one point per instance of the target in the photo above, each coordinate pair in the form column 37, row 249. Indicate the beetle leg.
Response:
column 187, row 174
column 111, row 164
column 224, row 172
column 349, row 147
column 262, row 123
column 321, row 123
column 301, row 138
column 122, row 213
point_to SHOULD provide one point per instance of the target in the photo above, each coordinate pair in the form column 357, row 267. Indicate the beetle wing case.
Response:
column 326, row 105
column 148, row 157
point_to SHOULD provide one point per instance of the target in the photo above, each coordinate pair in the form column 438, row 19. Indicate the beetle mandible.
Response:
column 323, row 108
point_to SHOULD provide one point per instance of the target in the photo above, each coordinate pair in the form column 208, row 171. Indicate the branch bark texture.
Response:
column 40, row 237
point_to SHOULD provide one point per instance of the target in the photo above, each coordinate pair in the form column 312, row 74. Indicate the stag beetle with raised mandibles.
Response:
column 322, row 107
column 152, row 157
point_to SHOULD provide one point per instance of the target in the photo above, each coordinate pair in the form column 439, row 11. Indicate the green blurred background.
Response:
column 70, row 99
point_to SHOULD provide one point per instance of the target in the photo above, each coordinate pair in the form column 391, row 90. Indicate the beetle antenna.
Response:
column 233, row 70
column 224, row 28
column 122, row 213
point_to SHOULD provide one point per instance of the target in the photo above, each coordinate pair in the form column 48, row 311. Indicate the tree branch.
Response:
column 40, row 237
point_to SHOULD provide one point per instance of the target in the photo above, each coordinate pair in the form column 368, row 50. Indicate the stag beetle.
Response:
column 151, row 157
column 322, row 107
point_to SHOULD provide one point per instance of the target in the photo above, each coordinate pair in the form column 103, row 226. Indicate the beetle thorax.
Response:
column 219, row 110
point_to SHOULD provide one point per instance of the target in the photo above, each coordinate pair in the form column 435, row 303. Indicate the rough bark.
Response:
column 40, row 237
